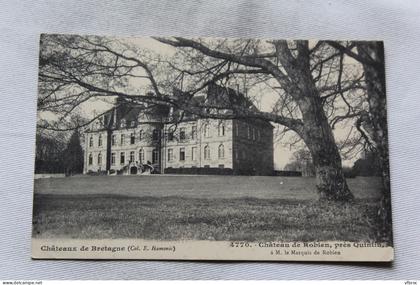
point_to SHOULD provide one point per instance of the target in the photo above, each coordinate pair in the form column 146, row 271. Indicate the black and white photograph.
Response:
column 211, row 148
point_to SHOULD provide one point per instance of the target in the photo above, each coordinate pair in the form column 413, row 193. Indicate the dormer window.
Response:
column 132, row 123
column 123, row 123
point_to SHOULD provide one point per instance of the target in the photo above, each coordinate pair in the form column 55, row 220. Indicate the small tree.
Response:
column 73, row 155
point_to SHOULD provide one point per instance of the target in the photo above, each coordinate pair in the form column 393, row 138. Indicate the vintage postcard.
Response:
column 211, row 149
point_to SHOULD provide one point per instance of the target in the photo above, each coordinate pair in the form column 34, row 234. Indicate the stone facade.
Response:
column 130, row 141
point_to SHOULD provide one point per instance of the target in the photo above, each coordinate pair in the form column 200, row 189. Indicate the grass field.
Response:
column 201, row 207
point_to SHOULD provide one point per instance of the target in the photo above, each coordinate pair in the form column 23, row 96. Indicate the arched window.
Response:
column 221, row 151
column 91, row 141
column 206, row 129
column 141, row 155
column 206, row 152
column 221, row 129
column 100, row 140
column 90, row 159
column 155, row 156
column 99, row 159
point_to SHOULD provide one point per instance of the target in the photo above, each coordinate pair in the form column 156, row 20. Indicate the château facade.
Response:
column 133, row 140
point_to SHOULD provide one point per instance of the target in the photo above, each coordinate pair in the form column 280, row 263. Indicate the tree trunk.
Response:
column 318, row 136
column 376, row 91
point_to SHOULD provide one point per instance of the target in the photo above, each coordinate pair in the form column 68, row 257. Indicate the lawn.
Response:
column 200, row 207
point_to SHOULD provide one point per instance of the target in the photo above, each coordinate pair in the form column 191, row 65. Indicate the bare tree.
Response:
column 375, row 131
column 316, row 89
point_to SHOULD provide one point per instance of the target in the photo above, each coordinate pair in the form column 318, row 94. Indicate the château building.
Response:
column 133, row 139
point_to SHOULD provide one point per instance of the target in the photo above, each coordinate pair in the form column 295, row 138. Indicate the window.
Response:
column 91, row 141
column 249, row 131
column 113, row 140
column 194, row 132
column 258, row 134
column 206, row 130
column 131, row 156
column 170, row 136
column 221, row 129
column 206, row 152
column 100, row 140
column 221, row 151
column 99, row 159
column 113, row 158
column 254, row 134
column 182, row 154
column 141, row 135
column 122, row 139
column 132, row 138
column 132, row 123
column 123, row 123
column 122, row 157
column 237, row 129
column 155, row 134
column 90, row 159
column 182, row 134
column 194, row 153
column 141, row 155
column 155, row 156
column 170, row 154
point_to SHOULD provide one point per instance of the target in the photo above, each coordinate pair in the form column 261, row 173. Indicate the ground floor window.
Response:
column 141, row 155
column 182, row 154
column 206, row 152
column 99, row 159
column 170, row 154
column 155, row 156
column 122, row 157
column 90, row 159
column 194, row 153
column 131, row 156
column 113, row 158
column 221, row 151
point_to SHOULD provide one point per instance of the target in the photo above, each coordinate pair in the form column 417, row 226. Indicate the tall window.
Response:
column 182, row 154
column 155, row 156
column 254, row 133
column 141, row 155
column 100, row 140
column 221, row 151
column 90, row 159
column 194, row 132
column 99, row 159
column 221, row 129
column 170, row 136
column 194, row 153
column 206, row 130
column 249, row 131
column 170, row 154
column 132, row 156
column 91, row 141
column 141, row 135
column 122, row 139
column 182, row 134
column 122, row 157
column 113, row 140
column 206, row 152
column 132, row 138
column 155, row 134
column 113, row 158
